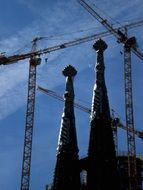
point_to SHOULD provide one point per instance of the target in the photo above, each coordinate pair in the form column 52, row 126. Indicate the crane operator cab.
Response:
column 3, row 58
column 35, row 61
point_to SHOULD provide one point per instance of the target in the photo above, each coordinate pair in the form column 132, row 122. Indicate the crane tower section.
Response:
column 27, row 150
column 129, row 113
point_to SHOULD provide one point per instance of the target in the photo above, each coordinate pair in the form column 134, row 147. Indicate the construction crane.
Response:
column 115, row 121
column 5, row 60
column 35, row 60
column 130, row 44
column 27, row 151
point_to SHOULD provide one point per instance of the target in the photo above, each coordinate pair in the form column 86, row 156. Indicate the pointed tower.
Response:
column 102, row 167
column 67, row 175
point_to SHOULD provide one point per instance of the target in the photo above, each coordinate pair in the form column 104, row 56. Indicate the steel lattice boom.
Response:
column 121, row 36
column 4, row 60
column 116, row 120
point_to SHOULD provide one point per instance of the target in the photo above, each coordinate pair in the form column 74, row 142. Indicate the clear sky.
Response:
column 21, row 21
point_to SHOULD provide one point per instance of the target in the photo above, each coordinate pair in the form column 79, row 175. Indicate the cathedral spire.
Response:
column 102, row 168
column 67, row 176
column 100, row 105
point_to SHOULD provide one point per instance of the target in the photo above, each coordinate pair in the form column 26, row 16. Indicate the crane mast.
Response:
column 129, row 45
column 27, row 151
column 132, row 171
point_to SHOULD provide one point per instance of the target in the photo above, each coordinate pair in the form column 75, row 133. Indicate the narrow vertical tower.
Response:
column 67, row 176
column 102, row 167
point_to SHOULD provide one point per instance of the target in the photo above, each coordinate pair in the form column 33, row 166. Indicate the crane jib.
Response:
column 5, row 60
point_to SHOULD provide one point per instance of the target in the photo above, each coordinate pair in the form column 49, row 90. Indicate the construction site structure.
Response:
column 35, row 60
column 129, row 45
column 122, row 159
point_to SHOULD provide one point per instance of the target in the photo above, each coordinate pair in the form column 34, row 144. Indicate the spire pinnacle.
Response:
column 69, row 71
column 100, row 45
column 100, row 99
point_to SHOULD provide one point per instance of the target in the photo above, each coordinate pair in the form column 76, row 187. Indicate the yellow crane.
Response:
column 34, row 60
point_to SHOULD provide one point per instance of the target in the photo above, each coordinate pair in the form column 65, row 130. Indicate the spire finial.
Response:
column 69, row 71
column 100, row 45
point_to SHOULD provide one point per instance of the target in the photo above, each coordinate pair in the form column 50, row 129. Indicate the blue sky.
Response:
column 21, row 21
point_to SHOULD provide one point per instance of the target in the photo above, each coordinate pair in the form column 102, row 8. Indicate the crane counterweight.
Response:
column 35, row 61
column 131, row 42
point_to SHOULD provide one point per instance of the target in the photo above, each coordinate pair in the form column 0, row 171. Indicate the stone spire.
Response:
column 67, row 175
column 100, row 103
column 102, row 168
